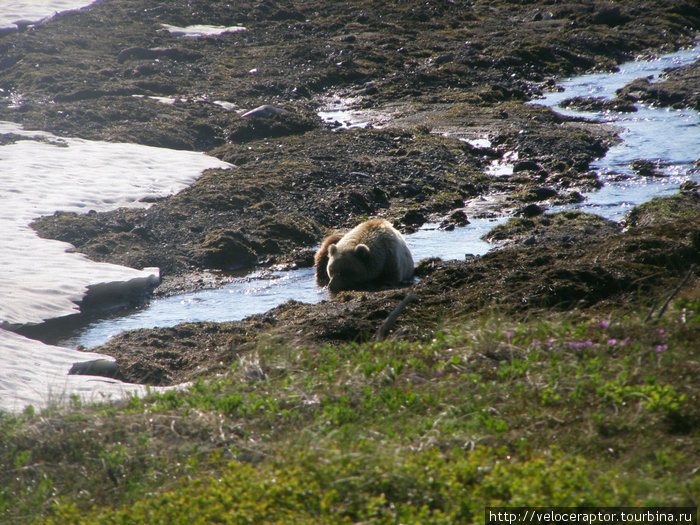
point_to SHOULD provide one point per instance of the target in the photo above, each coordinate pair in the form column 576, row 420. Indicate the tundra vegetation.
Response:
column 560, row 369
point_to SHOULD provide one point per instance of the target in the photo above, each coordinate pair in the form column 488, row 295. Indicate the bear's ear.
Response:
column 332, row 250
column 362, row 251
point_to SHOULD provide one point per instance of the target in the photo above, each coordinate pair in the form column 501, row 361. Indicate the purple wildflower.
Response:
column 660, row 348
column 578, row 345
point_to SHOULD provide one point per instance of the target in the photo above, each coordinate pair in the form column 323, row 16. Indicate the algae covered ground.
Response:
column 561, row 369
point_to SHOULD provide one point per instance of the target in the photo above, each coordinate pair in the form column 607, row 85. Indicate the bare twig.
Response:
column 389, row 322
column 673, row 294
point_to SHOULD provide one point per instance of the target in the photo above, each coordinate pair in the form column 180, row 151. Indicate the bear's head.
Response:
column 347, row 268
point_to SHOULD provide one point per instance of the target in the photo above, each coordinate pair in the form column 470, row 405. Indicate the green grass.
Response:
column 565, row 409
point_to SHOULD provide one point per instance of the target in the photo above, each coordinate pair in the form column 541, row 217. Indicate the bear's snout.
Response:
column 335, row 285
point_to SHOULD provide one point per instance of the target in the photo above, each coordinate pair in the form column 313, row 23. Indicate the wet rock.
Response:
column 24, row 24
column 97, row 367
column 539, row 194
column 459, row 217
column 646, row 168
column 575, row 197
column 456, row 218
column 683, row 207
column 527, row 165
column 531, row 210
column 689, row 186
column 413, row 218
column 265, row 111
column 600, row 104
column 564, row 227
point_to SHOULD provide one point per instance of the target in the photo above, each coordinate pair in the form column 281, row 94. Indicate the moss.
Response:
column 227, row 249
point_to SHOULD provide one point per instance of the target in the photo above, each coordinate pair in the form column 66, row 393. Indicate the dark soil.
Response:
column 442, row 70
column 597, row 267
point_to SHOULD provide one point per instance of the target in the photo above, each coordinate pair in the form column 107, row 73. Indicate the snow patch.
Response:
column 13, row 11
column 197, row 31
column 42, row 173
column 45, row 173
column 33, row 373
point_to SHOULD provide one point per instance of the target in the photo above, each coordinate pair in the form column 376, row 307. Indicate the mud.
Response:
column 603, row 267
column 444, row 71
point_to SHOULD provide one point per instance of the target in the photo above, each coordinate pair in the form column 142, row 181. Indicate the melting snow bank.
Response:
column 14, row 11
column 33, row 373
column 42, row 173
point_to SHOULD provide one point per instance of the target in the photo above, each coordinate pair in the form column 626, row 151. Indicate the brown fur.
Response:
column 371, row 254
column 321, row 258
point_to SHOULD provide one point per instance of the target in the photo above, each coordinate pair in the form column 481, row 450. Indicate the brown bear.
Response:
column 371, row 254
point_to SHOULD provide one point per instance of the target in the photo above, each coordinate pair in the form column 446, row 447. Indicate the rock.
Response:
column 531, row 210
column 413, row 218
column 97, row 367
column 689, row 186
column 623, row 104
column 459, row 218
column 646, row 168
column 442, row 59
column 527, row 165
column 575, row 197
column 610, row 16
column 265, row 111
column 23, row 25
column 539, row 194
column 269, row 121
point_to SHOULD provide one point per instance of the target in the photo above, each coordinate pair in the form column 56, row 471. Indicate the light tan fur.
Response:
column 371, row 254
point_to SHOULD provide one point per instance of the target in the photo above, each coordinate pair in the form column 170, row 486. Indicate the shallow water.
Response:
column 671, row 137
column 263, row 290
column 666, row 135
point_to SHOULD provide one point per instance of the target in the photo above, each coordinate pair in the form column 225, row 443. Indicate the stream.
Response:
column 262, row 290
column 668, row 136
